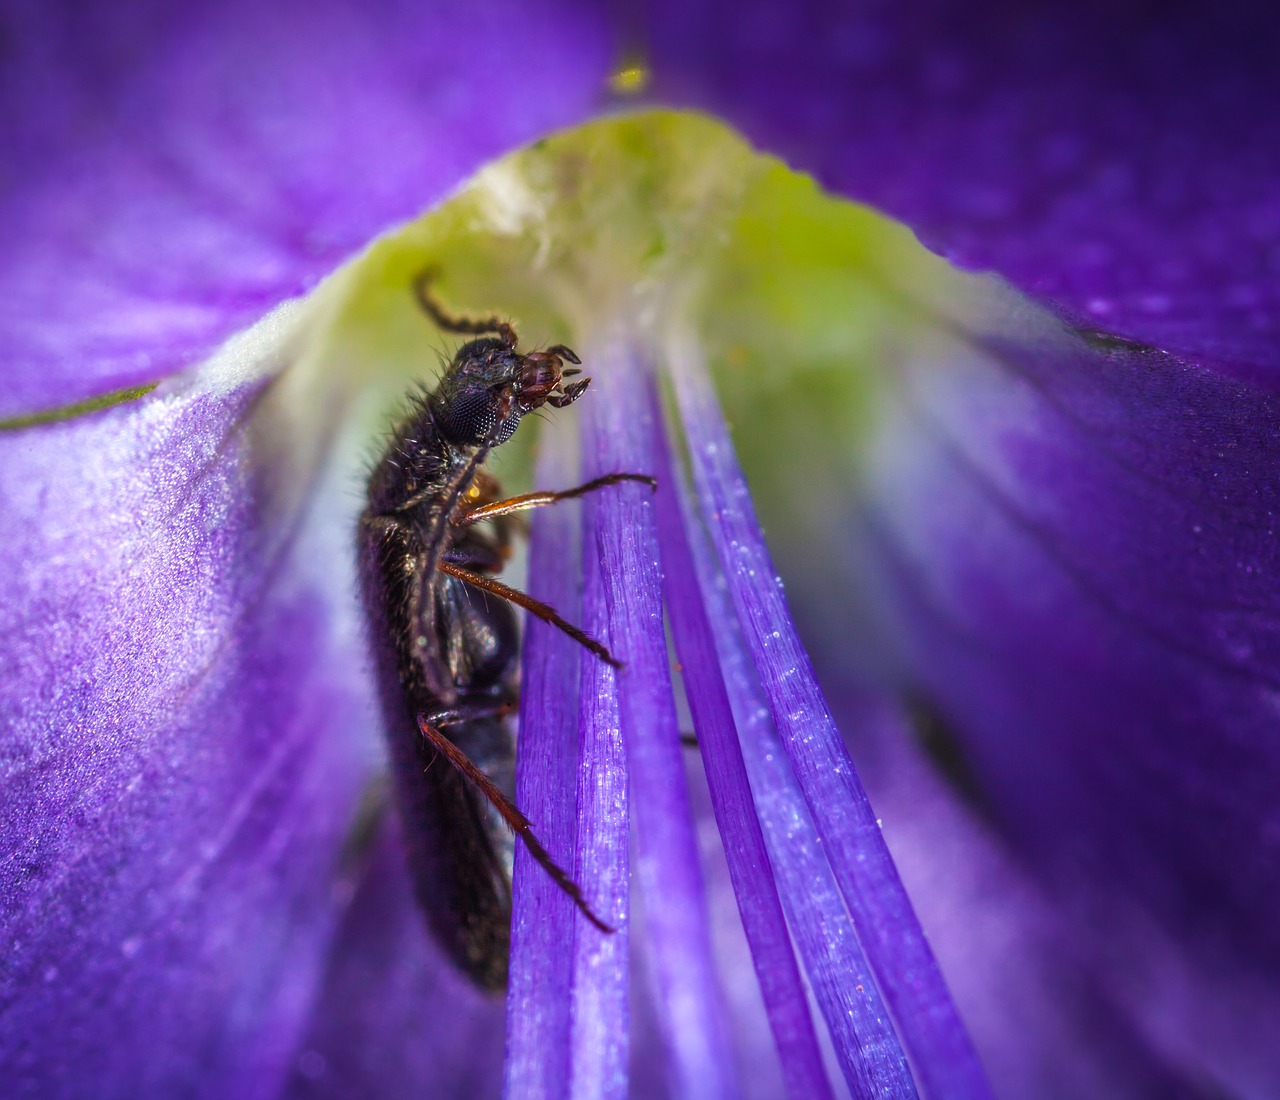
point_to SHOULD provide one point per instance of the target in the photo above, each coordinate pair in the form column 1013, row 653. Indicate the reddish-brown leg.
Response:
column 510, row 813
column 536, row 607
column 538, row 500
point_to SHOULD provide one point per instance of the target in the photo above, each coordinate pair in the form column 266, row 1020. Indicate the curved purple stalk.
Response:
column 600, row 1040
column 618, row 434
column 537, row 1060
column 941, row 1053
column 858, row 1022
column 753, row 883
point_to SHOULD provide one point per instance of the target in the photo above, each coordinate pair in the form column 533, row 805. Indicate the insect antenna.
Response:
column 449, row 323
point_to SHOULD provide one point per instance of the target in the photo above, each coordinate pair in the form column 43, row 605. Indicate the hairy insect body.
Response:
column 433, row 537
column 443, row 647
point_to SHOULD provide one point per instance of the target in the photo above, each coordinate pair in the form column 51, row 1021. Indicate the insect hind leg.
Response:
column 543, row 611
column 430, row 726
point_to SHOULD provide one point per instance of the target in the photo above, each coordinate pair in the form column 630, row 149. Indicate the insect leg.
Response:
column 537, row 607
column 429, row 726
column 439, row 719
column 569, row 395
column 538, row 500
column 477, row 556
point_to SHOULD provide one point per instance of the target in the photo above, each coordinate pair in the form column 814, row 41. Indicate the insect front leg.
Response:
column 526, row 501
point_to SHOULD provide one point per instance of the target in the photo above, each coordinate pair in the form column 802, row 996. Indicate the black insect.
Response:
column 434, row 534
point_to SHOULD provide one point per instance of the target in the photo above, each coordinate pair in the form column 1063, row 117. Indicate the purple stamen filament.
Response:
column 630, row 745
column 941, row 1053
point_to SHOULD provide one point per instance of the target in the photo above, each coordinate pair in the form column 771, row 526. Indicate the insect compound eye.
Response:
column 471, row 416
column 475, row 403
column 508, row 427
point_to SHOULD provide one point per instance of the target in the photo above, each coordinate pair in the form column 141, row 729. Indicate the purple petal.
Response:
column 901, row 959
column 1117, row 160
column 1083, row 582
column 178, row 772
column 171, row 174
column 542, row 915
column 619, row 433
column 373, row 1031
column 1043, row 1025
column 744, row 844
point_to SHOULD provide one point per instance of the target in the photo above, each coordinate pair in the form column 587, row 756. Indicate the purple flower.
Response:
column 1046, row 607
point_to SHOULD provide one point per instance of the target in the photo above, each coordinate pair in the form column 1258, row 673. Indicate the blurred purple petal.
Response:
column 744, row 844
column 901, row 959
column 1116, row 160
column 173, row 173
column 619, row 433
column 177, row 701
column 1043, row 1026
column 1077, row 554
column 379, row 1025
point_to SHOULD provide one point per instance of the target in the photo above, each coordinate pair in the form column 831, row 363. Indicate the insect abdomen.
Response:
column 459, row 854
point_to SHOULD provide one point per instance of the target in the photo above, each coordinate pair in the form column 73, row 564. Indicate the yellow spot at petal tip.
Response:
column 631, row 79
